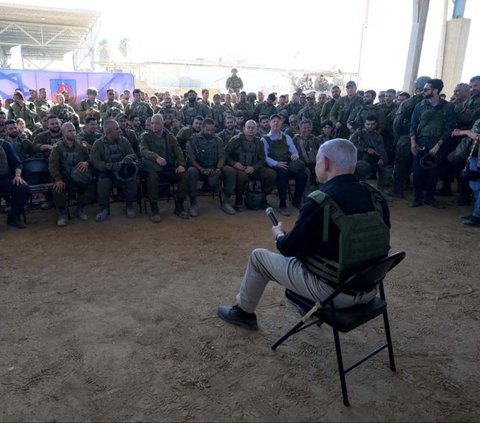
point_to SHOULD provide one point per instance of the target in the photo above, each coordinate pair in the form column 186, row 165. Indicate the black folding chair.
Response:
column 346, row 319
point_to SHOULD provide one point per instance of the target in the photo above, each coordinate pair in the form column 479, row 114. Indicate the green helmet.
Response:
column 127, row 172
column 81, row 177
column 429, row 162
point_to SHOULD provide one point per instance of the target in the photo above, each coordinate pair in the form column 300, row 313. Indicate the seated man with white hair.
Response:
column 317, row 255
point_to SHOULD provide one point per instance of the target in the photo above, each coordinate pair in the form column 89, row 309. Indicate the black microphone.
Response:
column 272, row 216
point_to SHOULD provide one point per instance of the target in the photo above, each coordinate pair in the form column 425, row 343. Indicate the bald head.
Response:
column 250, row 129
column 156, row 125
column 111, row 129
column 68, row 131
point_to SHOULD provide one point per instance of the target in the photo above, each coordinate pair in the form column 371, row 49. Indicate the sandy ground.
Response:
column 117, row 322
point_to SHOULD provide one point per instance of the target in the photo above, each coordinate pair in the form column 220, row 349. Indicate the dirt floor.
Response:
column 117, row 322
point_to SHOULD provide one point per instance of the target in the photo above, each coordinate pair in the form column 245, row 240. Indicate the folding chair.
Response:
column 346, row 319
column 37, row 170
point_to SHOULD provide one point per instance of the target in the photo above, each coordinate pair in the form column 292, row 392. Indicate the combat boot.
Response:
column 193, row 207
column 131, row 213
column 227, row 205
column 81, row 215
column 180, row 210
column 62, row 217
column 239, row 204
column 154, row 213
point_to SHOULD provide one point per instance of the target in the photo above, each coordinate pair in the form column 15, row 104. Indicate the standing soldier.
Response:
column 327, row 107
column 69, row 167
column 164, row 162
column 115, row 162
column 219, row 113
column 342, row 109
column 234, row 83
column 268, row 108
column 245, row 153
column 433, row 121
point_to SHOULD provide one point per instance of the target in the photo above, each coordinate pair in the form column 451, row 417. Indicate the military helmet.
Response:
column 234, row 70
column 363, row 169
column 429, row 162
column 420, row 82
column 127, row 172
column 81, row 177
column 255, row 200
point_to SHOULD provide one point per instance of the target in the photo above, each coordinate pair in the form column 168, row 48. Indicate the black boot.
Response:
column 180, row 210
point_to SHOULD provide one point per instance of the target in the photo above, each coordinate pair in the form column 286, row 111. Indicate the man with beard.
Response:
column 90, row 105
column 43, row 142
column 244, row 106
column 327, row 107
column 23, row 109
column 112, row 156
column 219, row 113
column 245, row 153
column 106, row 106
column 206, row 153
column 10, row 165
column 433, row 121
column 138, row 108
column 230, row 130
column 23, row 147
column 164, row 162
column 3, row 119
column 89, row 133
column 268, row 108
column 42, row 102
column 128, row 133
column 169, row 113
column 359, row 115
column 307, row 145
column 185, row 133
column 70, row 169
column 193, row 108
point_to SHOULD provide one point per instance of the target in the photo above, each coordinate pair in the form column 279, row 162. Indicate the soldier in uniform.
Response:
column 164, row 162
column 42, row 102
column 3, row 119
column 107, row 106
column 22, row 146
column 245, row 153
column 62, row 110
column 23, row 109
column 228, row 103
column 185, row 133
column 372, row 155
column 193, row 108
column 219, row 113
column 10, row 164
column 307, row 146
column 205, row 95
column 263, row 125
column 44, row 141
column 230, row 130
column 267, row 108
column 432, row 123
column 136, row 125
column 111, row 155
column 327, row 107
column 128, row 133
column 342, row 109
column 294, row 107
column 244, row 106
column 327, row 132
column 169, row 113
column 401, row 131
column 90, row 105
column 282, row 156
column 293, row 127
column 234, row 83
column 70, row 169
column 206, row 155
column 89, row 133
column 138, row 108
column 359, row 115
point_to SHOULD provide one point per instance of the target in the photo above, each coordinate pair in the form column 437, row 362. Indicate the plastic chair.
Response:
column 346, row 319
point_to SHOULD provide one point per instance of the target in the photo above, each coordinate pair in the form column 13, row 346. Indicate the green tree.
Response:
column 124, row 47
column 104, row 51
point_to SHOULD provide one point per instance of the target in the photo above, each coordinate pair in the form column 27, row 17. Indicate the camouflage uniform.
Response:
column 234, row 84
column 166, row 146
column 28, row 113
column 107, row 106
column 327, row 108
column 22, row 146
column 249, row 153
column 45, row 137
column 196, row 109
column 170, row 113
column 226, row 135
column 62, row 111
column 86, row 104
column 139, row 108
column 267, row 109
column 246, row 108
column 292, row 108
column 307, row 151
column 87, row 139
column 218, row 115
column 341, row 112
column 131, row 136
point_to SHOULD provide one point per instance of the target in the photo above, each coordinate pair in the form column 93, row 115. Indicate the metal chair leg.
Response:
column 389, row 342
column 341, row 371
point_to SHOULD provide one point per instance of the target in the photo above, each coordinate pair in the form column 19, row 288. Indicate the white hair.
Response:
column 340, row 152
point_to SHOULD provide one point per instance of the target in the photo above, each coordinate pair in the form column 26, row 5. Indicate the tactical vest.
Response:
column 113, row 152
column 4, row 167
column 308, row 150
column 161, row 147
column 206, row 150
column 189, row 112
column 363, row 238
column 278, row 150
column 246, row 153
column 69, row 157
column 432, row 120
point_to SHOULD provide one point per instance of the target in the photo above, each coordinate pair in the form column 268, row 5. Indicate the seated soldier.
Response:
column 22, row 146
column 206, row 155
column 185, row 133
column 62, row 110
column 114, row 160
column 16, row 186
column 282, row 156
column 69, row 166
column 307, row 145
column 164, row 162
column 327, row 131
column 89, row 133
column 245, row 153
column 372, row 155
column 230, row 131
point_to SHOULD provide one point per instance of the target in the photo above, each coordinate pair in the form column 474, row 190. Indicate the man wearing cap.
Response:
column 112, row 156
column 342, row 109
column 69, row 167
column 106, row 106
column 164, row 162
column 433, row 120
column 282, row 156
column 234, row 83
column 90, row 105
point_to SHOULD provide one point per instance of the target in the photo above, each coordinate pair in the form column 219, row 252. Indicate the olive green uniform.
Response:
column 62, row 111
column 341, row 111
column 139, row 108
column 28, row 113
column 86, row 104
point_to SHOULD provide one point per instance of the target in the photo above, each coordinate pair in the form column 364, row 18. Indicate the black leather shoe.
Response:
column 16, row 222
column 236, row 316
